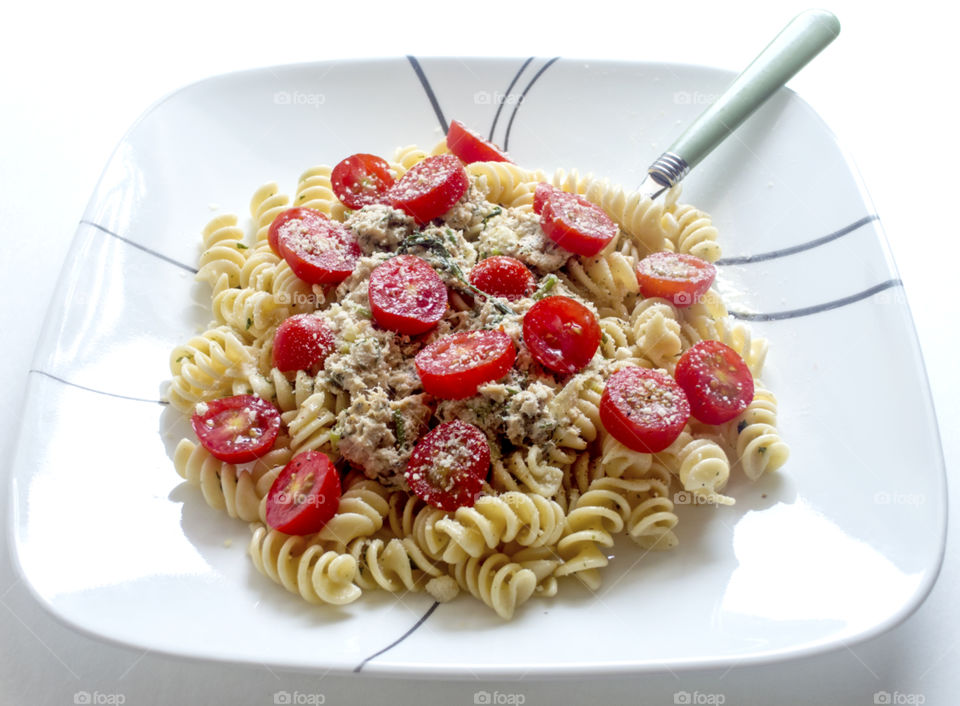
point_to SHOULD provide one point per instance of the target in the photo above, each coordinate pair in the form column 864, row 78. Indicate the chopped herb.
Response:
column 437, row 248
column 549, row 282
column 451, row 236
column 241, row 246
column 604, row 337
column 513, row 391
column 398, row 427
column 495, row 212
column 183, row 357
column 741, row 425
column 249, row 323
column 334, row 439
column 762, row 449
column 364, row 312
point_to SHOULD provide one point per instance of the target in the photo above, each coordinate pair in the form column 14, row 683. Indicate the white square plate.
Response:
column 841, row 544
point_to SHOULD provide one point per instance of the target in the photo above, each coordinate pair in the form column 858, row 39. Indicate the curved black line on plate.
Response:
column 99, row 392
column 140, row 247
column 817, row 308
column 513, row 83
column 783, row 252
column 418, row 70
column 523, row 96
column 400, row 639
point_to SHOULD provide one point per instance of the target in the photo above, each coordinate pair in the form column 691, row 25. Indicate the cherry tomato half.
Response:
column 561, row 333
column 305, row 495
column 430, row 188
column 448, row 465
column 717, row 382
column 576, row 224
column 470, row 147
column 361, row 179
column 318, row 250
column 644, row 410
column 237, row 429
column 680, row 278
column 407, row 295
column 454, row 366
column 544, row 191
column 302, row 342
column 503, row 276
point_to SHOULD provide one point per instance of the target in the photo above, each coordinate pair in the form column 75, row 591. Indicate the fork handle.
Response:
column 801, row 40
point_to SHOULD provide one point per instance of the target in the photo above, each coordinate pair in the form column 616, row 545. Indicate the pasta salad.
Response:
column 452, row 374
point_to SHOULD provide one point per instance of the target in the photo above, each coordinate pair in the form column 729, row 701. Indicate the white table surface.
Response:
column 74, row 77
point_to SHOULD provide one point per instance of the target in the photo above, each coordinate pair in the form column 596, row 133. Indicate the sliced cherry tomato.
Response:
column 430, row 188
column 237, row 429
column 717, row 382
column 407, row 295
column 302, row 342
column 298, row 219
column 454, row 366
column 575, row 224
column 361, row 179
column 544, row 191
column 503, row 276
column 448, row 465
column 305, row 495
column 644, row 410
column 678, row 277
column 318, row 250
column 470, row 147
column 561, row 333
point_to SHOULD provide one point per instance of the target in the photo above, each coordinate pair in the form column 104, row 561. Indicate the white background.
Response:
column 74, row 77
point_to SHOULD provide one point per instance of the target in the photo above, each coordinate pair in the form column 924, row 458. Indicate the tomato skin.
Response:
column 305, row 495
column 318, row 250
column 645, row 410
column 575, row 224
column 237, row 429
column 503, row 276
column 470, row 147
column 453, row 367
column 361, row 180
column 716, row 380
column 448, row 466
column 302, row 342
column 561, row 333
column 680, row 278
column 430, row 188
column 406, row 295
column 544, row 191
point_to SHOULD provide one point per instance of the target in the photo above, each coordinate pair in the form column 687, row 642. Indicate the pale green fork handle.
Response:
column 801, row 40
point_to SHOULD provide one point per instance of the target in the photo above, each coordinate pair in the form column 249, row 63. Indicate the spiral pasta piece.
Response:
column 303, row 566
column 703, row 468
column 248, row 310
column 606, row 279
column 223, row 252
column 225, row 487
column 395, row 565
column 656, row 332
column 206, row 367
column 528, row 471
column 504, row 182
column 695, row 233
column 528, row 519
column 577, row 405
column 499, row 582
column 360, row 513
column 618, row 461
column 315, row 191
column 311, row 423
column 759, row 446
column 267, row 203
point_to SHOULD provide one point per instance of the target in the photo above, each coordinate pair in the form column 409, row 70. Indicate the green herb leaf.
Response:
column 241, row 246
column 549, row 282
column 398, row 428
